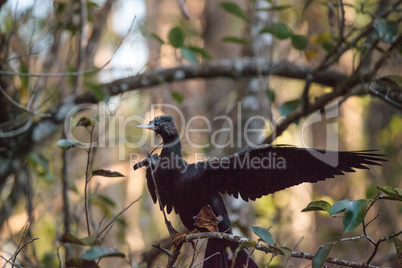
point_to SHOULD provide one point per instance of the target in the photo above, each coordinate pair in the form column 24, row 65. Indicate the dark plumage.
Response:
column 252, row 173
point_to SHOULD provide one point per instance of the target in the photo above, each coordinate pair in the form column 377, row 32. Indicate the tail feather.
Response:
column 221, row 260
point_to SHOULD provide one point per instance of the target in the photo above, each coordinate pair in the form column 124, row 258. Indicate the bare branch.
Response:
column 17, row 131
column 260, row 247
column 16, row 104
column 87, row 179
column 198, row 264
column 318, row 104
column 164, row 250
column 10, row 262
column 175, row 255
column 231, row 68
column 65, row 74
column 341, row 21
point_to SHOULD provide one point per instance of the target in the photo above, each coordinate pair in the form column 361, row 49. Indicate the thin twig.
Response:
column 306, row 92
column 195, row 254
column 341, row 22
column 65, row 196
column 87, row 180
column 65, row 74
column 351, row 238
column 14, row 256
column 175, row 254
column 21, row 248
column 114, row 219
column 106, row 233
column 17, row 131
column 271, row 259
column 10, row 262
column 198, row 264
column 294, row 249
column 377, row 244
column 164, row 250
column 58, row 256
column 19, row 106
column 100, row 222
column 373, row 219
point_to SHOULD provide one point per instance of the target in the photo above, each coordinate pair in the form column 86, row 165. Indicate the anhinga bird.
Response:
column 251, row 173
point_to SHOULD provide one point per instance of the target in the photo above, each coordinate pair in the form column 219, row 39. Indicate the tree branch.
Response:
column 231, row 68
column 260, row 247
column 320, row 102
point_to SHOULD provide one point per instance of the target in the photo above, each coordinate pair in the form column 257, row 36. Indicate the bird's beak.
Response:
column 150, row 126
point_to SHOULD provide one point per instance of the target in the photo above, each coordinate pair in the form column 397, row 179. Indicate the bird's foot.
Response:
column 181, row 236
column 206, row 218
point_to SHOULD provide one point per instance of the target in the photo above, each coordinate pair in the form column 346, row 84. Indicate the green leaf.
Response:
column 263, row 234
column 39, row 163
column 157, row 38
column 24, row 79
column 299, row 42
column 97, row 90
column 339, row 206
column 95, row 201
column 188, row 55
column 201, row 51
column 65, row 144
column 71, row 78
column 327, row 46
column 235, row 10
column 387, row 31
column 275, row 8
column 176, row 37
column 101, row 252
column 106, row 200
column 247, row 244
column 84, row 122
column 271, row 94
column 322, row 255
column 395, row 193
column 285, row 251
column 320, row 205
column 146, row 33
column 69, row 238
column 278, row 29
column 354, row 214
column 177, row 96
column 106, row 173
column 89, row 240
column 73, row 122
column 104, row 203
column 398, row 248
column 289, row 106
column 236, row 40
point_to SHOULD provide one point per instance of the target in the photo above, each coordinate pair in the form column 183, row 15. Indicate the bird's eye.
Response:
column 156, row 124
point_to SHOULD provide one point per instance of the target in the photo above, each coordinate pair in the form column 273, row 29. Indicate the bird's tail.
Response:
column 216, row 255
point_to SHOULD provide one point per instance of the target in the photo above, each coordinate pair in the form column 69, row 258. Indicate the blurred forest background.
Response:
column 282, row 60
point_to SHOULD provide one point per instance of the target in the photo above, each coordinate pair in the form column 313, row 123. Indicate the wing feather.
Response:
column 265, row 169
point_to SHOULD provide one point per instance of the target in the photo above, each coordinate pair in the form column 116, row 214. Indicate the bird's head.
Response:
column 163, row 126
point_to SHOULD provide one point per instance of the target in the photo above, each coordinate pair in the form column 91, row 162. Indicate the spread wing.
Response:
column 145, row 163
column 265, row 169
